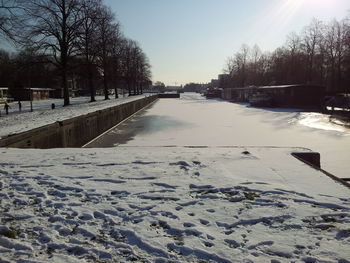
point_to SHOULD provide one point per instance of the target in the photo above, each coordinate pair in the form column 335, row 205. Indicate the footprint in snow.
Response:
column 204, row 222
column 56, row 193
column 264, row 243
column 85, row 217
column 208, row 244
column 210, row 237
column 120, row 193
column 165, row 185
column 186, row 224
column 99, row 215
column 180, row 163
column 169, row 215
column 248, row 155
column 183, row 165
column 112, row 181
column 232, row 243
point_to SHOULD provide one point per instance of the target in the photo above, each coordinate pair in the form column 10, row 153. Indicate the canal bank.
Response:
column 77, row 131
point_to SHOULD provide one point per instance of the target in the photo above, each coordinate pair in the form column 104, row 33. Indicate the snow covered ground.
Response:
column 169, row 204
column 42, row 115
column 148, row 201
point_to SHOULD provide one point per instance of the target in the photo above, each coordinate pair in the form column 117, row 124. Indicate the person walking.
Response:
column 6, row 107
column 20, row 106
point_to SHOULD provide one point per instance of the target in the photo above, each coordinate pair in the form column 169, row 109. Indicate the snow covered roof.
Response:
column 39, row 89
column 290, row 86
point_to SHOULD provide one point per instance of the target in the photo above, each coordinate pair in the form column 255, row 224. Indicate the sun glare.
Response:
column 276, row 18
column 314, row 3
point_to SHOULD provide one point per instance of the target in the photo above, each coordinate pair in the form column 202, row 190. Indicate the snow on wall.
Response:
column 77, row 131
column 16, row 123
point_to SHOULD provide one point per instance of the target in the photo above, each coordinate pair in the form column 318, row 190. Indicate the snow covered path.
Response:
column 193, row 120
column 172, row 204
column 16, row 123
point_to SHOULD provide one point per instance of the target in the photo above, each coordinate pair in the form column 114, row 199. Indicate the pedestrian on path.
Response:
column 20, row 106
column 6, row 107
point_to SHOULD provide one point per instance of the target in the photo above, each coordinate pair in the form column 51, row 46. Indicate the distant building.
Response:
column 195, row 87
column 222, row 77
column 28, row 94
column 173, row 88
column 4, row 95
column 214, row 83
column 224, row 81
column 294, row 96
column 300, row 96
column 239, row 94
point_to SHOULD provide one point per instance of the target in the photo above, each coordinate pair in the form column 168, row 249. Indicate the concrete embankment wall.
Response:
column 77, row 131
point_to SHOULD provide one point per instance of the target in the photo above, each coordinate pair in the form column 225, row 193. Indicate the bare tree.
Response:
column 116, row 58
column 293, row 45
column 88, row 40
column 128, row 64
column 311, row 38
column 53, row 27
column 320, row 55
column 6, row 68
column 237, row 66
column 255, row 57
column 106, row 28
column 143, row 71
column 341, row 51
column 346, row 23
column 331, row 45
column 136, row 54
column 10, row 17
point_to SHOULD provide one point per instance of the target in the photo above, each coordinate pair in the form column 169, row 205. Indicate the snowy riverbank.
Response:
column 19, row 122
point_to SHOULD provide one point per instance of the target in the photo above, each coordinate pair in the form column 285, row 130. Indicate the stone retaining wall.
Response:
column 77, row 131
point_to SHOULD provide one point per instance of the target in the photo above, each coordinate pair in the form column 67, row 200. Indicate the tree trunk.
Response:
column 129, row 87
column 116, row 84
column 137, row 89
column 116, row 92
column 64, row 80
column 339, row 75
column 105, row 86
column 65, row 87
column 91, row 84
column 64, row 55
column 134, row 87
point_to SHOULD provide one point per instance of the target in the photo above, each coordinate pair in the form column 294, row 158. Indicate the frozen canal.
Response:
column 194, row 121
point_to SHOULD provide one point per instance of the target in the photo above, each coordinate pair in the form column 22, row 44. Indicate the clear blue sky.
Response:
column 190, row 40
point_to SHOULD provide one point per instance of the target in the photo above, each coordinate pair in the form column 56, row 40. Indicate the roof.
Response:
column 243, row 88
column 39, row 89
column 290, row 86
